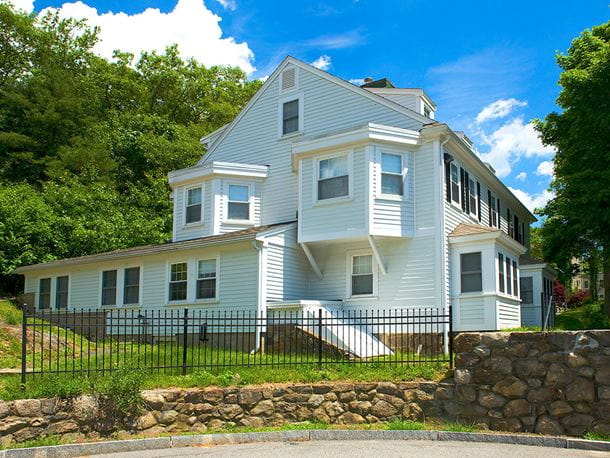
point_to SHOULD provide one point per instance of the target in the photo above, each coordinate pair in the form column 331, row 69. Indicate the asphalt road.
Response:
column 361, row 449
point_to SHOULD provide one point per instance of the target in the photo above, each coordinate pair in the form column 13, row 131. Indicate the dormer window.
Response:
column 290, row 117
column 239, row 202
column 427, row 111
column 391, row 174
column 193, row 205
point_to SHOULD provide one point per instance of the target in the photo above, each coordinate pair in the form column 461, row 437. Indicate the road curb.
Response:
column 133, row 445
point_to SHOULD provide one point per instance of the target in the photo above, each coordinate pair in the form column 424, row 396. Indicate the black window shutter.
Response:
column 462, row 188
column 448, row 181
column 479, row 200
column 489, row 206
column 467, row 191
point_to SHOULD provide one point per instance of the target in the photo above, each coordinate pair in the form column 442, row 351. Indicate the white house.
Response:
column 321, row 192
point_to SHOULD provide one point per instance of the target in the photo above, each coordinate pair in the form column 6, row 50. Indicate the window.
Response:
column 470, row 272
column 515, row 279
column 455, row 184
column 131, row 285
column 290, row 117
column 362, row 275
column 509, row 223
column 493, row 210
column 472, row 195
column 239, row 202
column 427, row 111
column 61, row 292
column 109, row 281
column 527, row 290
column 501, row 272
column 44, row 293
column 193, row 205
column 178, row 280
column 206, row 279
column 391, row 174
column 509, row 283
column 333, row 178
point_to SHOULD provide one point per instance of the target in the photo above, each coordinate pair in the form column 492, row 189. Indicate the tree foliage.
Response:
column 578, row 217
column 86, row 143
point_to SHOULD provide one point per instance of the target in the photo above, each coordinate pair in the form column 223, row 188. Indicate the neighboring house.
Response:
column 536, row 292
column 322, row 193
column 582, row 280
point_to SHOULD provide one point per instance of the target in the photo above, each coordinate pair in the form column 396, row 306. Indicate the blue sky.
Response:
column 489, row 65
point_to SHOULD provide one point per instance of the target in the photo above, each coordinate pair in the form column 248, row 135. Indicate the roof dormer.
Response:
column 413, row 98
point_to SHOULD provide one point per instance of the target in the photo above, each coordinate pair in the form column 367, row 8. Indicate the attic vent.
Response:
column 289, row 79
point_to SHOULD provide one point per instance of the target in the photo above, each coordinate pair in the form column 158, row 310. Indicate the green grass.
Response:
column 590, row 316
column 596, row 437
column 403, row 425
column 42, row 442
column 523, row 329
column 9, row 313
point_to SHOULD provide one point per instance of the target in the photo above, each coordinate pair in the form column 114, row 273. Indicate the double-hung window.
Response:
column 472, row 196
column 131, row 285
column 193, row 205
column 501, row 272
column 391, row 174
column 509, row 281
column 239, row 202
column 44, row 293
column 206, row 279
column 178, row 280
column 515, row 279
column 333, row 177
column 61, row 292
column 290, row 117
column 455, row 183
column 527, row 290
column 493, row 211
column 362, row 275
column 109, row 284
column 470, row 272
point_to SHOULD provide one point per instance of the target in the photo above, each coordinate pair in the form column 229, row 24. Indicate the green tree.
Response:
column 579, row 215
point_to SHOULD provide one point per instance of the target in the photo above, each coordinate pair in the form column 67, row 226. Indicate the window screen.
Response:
column 470, row 271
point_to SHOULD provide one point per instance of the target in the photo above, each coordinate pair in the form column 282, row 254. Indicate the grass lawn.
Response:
column 590, row 316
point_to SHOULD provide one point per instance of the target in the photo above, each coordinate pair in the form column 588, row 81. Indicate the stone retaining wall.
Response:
column 549, row 383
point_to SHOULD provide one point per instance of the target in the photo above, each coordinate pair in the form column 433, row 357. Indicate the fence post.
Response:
column 450, row 337
column 542, row 311
column 184, row 339
column 320, row 337
column 24, row 337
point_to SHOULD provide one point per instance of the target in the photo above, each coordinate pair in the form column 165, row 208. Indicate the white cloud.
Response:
column 510, row 142
column 323, row 62
column 498, row 109
column 190, row 24
column 533, row 201
column 545, row 168
column 522, row 176
column 337, row 41
column 357, row 81
column 264, row 78
column 24, row 5
column 230, row 5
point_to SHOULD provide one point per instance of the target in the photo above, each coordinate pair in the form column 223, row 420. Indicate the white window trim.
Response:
column 350, row 179
column 404, row 172
column 53, row 291
column 117, row 291
column 296, row 79
column 289, row 97
column 168, row 275
column 211, row 300
column 349, row 265
column 185, row 204
column 457, row 204
column 122, row 283
column 244, row 222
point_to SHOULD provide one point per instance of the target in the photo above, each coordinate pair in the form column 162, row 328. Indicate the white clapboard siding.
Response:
column 340, row 219
column 191, row 231
column 410, row 101
column 327, row 107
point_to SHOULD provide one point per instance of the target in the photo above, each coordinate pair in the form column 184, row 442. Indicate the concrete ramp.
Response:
column 350, row 334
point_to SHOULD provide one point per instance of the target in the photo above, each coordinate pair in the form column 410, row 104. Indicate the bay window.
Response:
column 391, row 174
column 527, row 290
column 193, row 205
column 501, row 272
column 470, row 272
column 509, row 282
column 239, row 202
column 333, row 177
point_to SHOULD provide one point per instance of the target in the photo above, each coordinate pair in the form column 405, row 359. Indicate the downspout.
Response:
column 445, row 285
column 261, row 300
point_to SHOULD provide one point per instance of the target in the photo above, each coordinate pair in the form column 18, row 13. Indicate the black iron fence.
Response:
column 182, row 340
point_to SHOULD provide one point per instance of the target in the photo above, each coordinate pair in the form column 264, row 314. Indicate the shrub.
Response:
column 559, row 292
column 577, row 299
column 122, row 391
